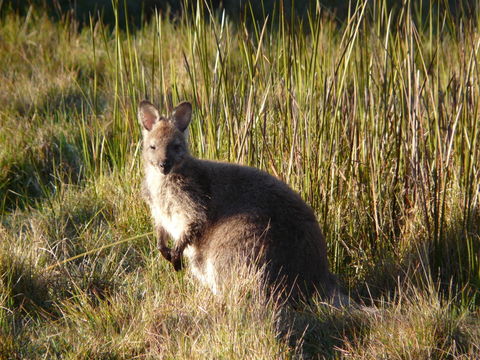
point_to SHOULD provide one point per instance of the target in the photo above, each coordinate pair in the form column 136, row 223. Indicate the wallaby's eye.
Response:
column 152, row 147
column 177, row 147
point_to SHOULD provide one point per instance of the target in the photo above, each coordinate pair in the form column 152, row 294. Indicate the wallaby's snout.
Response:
column 165, row 167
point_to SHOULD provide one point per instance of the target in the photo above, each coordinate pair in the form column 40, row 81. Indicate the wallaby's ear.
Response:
column 182, row 115
column 148, row 114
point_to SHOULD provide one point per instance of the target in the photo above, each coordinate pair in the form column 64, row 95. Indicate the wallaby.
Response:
column 218, row 213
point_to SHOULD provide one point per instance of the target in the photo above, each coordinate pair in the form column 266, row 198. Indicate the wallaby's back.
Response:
column 257, row 217
column 221, row 213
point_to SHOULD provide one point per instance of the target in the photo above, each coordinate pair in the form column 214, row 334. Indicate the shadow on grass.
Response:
column 137, row 12
column 31, row 176
column 23, row 288
column 443, row 271
column 451, row 263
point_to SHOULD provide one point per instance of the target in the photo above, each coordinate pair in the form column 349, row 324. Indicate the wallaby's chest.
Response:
column 168, row 209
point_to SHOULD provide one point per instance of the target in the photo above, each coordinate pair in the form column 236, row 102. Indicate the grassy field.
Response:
column 375, row 121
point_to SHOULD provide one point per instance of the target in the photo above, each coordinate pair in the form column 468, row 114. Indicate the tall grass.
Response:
column 374, row 121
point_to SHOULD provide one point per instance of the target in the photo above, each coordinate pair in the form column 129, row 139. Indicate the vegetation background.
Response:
column 369, row 110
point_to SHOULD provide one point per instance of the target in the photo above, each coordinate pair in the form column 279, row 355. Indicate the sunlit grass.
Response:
column 375, row 121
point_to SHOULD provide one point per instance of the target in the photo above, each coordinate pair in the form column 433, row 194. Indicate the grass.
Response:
column 375, row 121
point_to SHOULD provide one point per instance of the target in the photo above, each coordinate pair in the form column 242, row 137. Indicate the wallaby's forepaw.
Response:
column 177, row 260
column 172, row 255
column 166, row 252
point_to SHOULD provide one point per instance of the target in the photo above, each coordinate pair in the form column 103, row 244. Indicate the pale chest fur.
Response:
column 166, row 209
column 174, row 214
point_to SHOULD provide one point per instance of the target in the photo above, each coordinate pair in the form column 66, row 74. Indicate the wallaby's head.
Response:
column 164, row 138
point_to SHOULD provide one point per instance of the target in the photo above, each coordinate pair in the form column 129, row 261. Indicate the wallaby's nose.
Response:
column 164, row 166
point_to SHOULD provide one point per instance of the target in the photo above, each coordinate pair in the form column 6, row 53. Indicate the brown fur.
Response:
column 228, row 213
